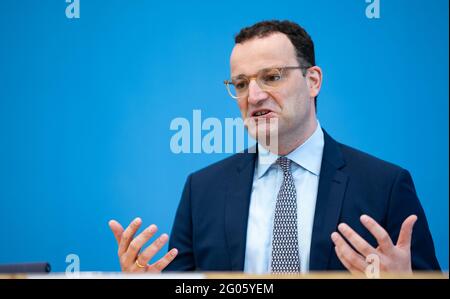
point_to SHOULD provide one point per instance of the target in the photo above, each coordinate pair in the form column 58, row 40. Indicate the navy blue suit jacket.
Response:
column 211, row 221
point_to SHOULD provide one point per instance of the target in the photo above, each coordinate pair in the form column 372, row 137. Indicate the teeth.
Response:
column 259, row 113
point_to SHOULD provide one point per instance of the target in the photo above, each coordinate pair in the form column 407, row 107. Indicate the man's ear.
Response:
column 314, row 80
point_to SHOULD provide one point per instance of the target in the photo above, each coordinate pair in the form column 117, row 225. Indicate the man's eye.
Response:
column 272, row 77
column 240, row 85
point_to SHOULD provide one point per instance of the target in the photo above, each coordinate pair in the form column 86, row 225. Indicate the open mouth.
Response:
column 261, row 113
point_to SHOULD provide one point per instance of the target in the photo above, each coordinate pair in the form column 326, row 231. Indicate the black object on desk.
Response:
column 41, row 267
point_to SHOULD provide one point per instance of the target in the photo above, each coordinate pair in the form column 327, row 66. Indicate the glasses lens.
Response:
column 269, row 78
column 238, row 88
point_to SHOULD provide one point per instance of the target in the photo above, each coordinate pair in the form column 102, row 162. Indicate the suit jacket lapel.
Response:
column 332, row 186
column 237, row 209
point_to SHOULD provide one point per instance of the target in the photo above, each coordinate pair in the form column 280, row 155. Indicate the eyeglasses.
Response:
column 268, row 79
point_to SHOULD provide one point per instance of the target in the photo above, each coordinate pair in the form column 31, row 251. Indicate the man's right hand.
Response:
column 130, row 256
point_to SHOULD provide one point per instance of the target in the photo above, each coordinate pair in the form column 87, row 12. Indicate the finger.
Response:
column 404, row 239
column 346, row 254
column 117, row 230
column 164, row 261
column 153, row 249
column 128, row 235
column 346, row 264
column 137, row 243
column 382, row 237
column 356, row 240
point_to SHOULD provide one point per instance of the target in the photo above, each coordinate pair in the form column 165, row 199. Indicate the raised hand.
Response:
column 392, row 258
column 131, row 258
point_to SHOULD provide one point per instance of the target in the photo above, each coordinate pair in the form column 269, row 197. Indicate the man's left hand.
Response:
column 392, row 258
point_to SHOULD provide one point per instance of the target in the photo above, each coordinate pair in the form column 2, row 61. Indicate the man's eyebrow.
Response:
column 245, row 76
column 239, row 76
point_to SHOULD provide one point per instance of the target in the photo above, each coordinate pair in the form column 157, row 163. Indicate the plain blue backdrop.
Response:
column 86, row 104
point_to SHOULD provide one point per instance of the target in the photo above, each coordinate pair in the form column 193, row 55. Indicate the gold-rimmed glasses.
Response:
column 267, row 79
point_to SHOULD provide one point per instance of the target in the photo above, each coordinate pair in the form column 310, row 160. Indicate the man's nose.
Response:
column 255, row 93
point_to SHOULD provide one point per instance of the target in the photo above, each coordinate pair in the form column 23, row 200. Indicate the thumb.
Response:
column 405, row 236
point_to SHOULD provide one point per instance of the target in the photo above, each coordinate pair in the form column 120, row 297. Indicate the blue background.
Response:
column 86, row 104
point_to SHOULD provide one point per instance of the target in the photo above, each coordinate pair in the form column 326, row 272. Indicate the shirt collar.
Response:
column 308, row 155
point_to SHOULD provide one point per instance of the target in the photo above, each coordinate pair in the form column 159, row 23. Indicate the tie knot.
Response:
column 285, row 164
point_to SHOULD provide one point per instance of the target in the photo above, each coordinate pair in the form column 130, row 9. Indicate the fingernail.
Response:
column 364, row 218
column 152, row 228
column 342, row 227
column 164, row 237
column 137, row 220
column 174, row 252
column 334, row 236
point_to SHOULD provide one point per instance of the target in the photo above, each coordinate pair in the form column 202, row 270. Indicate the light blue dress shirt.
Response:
column 267, row 180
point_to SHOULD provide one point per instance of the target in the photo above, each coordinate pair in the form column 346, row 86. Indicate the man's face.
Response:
column 291, row 103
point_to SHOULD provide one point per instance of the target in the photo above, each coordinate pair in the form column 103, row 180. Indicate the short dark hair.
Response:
column 300, row 39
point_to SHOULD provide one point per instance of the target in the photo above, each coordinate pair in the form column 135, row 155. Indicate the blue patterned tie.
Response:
column 285, row 253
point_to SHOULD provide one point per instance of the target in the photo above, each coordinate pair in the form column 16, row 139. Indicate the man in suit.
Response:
column 308, row 203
